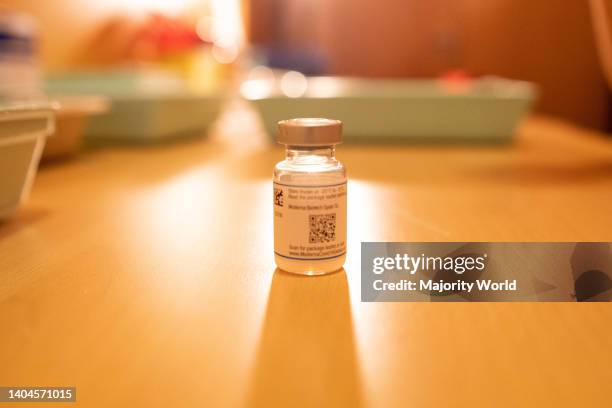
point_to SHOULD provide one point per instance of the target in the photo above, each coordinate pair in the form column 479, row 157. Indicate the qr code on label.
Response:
column 322, row 228
column 278, row 197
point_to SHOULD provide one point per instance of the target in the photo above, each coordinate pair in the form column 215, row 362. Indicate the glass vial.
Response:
column 310, row 198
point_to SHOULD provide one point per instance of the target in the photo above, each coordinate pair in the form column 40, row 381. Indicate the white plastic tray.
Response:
column 23, row 131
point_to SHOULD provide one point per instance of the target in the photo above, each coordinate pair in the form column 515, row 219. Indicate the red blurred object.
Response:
column 153, row 37
column 164, row 36
column 456, row 81
column 456, row 75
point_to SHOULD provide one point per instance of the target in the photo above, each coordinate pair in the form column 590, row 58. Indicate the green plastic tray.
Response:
column 143, row 108
column 484, row 111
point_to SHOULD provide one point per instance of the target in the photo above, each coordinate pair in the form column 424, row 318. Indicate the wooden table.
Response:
column 145, row 278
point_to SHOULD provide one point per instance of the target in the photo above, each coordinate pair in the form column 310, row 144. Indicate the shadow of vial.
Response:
column 307, row 354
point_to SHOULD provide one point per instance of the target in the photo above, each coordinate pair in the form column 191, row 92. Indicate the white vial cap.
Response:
column 310, row 132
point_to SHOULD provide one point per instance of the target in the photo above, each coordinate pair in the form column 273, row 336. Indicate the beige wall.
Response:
column 65, row 26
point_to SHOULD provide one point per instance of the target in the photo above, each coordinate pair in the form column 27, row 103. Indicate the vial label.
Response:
column 310, row 221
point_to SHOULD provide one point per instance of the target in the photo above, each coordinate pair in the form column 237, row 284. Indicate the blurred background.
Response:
column 394, row 71
column 549, row 43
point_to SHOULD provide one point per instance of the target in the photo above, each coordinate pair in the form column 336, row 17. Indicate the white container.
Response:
column 23, row 131
column 601, row 13
column 19, row 68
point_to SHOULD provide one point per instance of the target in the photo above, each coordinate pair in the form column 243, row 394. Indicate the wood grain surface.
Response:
column 145, row 278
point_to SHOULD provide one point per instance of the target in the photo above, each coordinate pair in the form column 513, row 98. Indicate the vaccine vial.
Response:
column 310, row 198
